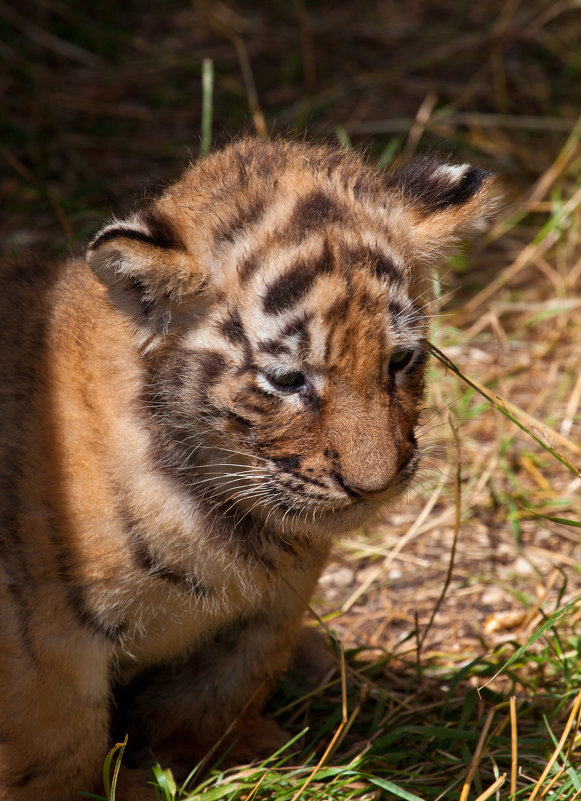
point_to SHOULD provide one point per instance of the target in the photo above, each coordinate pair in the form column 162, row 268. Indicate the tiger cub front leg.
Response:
column 179, row 713
column 54, row 710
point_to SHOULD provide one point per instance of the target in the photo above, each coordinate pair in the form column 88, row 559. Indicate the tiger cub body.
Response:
column 229, row 380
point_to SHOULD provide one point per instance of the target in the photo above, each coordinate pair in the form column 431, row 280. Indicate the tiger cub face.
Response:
column 280, row 295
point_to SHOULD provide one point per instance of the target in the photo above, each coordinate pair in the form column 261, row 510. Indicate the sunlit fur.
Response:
column 229, row 380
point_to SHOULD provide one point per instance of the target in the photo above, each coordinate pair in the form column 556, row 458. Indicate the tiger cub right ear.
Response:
column 439, row 201
column 145, row 266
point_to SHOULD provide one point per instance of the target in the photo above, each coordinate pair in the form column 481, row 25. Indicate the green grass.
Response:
column 423, row 738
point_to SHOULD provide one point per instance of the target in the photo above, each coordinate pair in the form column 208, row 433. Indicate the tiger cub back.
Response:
column 229, row 380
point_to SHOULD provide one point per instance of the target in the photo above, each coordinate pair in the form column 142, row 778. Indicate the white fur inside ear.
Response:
column 107, row 263
column 451, row 172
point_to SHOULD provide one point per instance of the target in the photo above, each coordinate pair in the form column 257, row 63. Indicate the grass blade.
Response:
column 207, row 105
column 533, row 638
column 502, row 408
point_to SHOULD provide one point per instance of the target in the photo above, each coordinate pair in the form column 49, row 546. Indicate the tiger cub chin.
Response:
column 228, row 380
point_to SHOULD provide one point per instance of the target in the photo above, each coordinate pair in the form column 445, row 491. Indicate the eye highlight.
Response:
column 290, row 381
column 400, row 359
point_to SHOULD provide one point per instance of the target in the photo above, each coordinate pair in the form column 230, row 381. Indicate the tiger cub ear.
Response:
column 439, row 201
column 146, row 267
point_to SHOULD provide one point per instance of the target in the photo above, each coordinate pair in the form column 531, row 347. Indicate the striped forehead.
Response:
column 299, row 208
column 281, row 263
column 318, row 300
column 309, row 261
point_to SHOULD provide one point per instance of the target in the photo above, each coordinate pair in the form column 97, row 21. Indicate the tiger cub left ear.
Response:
column 440, row 201
column 146, row 267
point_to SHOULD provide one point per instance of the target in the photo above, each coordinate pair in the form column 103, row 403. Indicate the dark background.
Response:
column 102, row 102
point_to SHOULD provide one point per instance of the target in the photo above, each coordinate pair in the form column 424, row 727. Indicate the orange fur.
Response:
column 191, row 414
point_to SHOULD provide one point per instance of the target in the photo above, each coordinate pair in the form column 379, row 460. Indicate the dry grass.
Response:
column 437, row 596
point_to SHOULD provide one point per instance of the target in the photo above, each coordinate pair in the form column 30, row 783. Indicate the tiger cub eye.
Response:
column 400, row 359
column 293, row 381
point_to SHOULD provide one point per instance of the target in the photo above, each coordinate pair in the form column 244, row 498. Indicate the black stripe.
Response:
column 421, row 182
column 380, row 265
column 25, row 363
column 211, row 364
column 12, row 548
column 311, row 213
column 234, row 331
column 368, row 303
column 396, row 309
column 243, row 538
column 288, row 463
column 76, row 597
column 299, row 327
column 247, row 267
column 264, row 447
column 27, row 775
column 274, row 347
column 227, row 414
column 316, row 482
column 459, row 193
column 312, row 399
column 241, row 219
column 291, row 465
column 75, row 592
column 359, row 188
column 383, row 266
column 337, row 311
column 19, row 589
column 121, row 233
column 301, row 491
column 252, row 389
column 161, row 233
column 149, row 561
column 146, row 559
column 290, row 288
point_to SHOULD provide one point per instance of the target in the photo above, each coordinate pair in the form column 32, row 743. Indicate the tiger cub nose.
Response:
column 363, row 492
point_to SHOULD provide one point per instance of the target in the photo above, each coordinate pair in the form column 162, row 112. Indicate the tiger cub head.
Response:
column 279, row 295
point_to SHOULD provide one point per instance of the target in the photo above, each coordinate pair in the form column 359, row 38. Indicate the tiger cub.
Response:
column 193, row 413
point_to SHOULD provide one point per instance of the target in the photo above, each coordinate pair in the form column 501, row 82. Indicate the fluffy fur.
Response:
column 191, row 414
